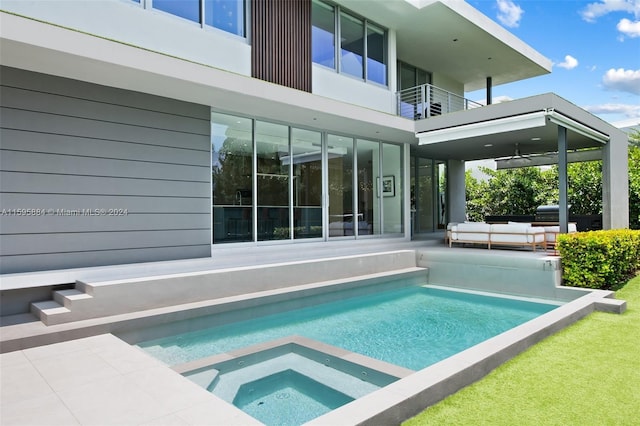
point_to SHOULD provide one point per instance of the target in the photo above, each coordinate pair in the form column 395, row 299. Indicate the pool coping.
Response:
column 301, row 341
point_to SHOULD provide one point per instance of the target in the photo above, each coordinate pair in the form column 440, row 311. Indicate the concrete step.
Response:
column 50, row 312
column 67, row 298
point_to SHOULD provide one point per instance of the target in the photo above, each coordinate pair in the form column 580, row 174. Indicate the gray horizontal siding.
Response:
column 45, row 102
column 12, row 77
column 85, row 258
column 34, row 183
column 135, row 204
column 67, row 145
column 93, row 128
column 100, row 241
column 73, row 221
column 20, row 161
column 30, row 141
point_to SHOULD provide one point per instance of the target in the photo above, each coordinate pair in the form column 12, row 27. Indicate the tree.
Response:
column 508, row 192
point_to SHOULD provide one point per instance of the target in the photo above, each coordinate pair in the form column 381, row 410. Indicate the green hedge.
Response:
column 599, row 259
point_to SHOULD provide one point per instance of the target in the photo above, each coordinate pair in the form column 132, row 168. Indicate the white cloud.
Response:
column 629, row 28
column 509, row 13
column 622, row 80
column 631, row 111
column 569, row 63
column 595, row 10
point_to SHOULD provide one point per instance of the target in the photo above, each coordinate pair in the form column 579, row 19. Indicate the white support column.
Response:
column 456, row 197
column 615, row 182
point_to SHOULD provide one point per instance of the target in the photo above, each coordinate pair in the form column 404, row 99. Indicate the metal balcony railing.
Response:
column 427, row 101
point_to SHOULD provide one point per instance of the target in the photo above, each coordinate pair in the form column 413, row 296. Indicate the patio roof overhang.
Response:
column 529, row 125
column 455, row 40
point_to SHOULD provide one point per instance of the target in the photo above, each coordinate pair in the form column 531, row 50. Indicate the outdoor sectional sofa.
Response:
column 511, row 234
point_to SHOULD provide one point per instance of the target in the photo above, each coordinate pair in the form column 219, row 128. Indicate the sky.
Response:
column 594, row 47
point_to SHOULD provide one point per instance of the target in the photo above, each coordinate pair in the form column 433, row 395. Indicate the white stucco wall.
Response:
column 127, row 22
column 444, row 82
column 326, row 82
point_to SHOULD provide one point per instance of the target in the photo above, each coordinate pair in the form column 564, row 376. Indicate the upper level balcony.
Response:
column 426, row 101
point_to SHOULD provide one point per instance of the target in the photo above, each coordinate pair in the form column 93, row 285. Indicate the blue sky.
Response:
column 594, row 47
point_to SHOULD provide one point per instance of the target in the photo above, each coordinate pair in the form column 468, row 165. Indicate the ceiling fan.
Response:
column 518, row 155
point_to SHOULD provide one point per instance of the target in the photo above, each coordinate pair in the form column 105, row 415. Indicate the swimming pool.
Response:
column 412, row 327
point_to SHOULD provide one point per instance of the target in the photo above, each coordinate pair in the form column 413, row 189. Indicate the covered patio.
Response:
column 547, row 129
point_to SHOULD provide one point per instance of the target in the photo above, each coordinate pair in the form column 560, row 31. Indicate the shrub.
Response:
column 599, row 259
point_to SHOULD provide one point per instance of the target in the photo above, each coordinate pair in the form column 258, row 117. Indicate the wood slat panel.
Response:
column 281, row 42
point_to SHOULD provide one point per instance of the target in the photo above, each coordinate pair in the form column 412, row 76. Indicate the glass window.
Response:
column 231, row 173
column 227, row 15
column 273, row 162
column 376, row 55
column 188, row 9
column 323, row 37
column 340, row 154
column 306, row 156
column 392, row 196
column 352, row 45
column 368, row 182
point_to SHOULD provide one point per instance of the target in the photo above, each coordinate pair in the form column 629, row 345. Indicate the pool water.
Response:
column 288, row 398
column 412, row 327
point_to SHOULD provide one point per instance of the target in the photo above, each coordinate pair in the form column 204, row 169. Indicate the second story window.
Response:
column 226, row 15
column 362, row 47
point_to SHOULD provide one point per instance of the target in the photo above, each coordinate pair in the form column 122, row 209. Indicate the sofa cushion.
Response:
column 476, row 231
column 516, row 233
column 552, row 231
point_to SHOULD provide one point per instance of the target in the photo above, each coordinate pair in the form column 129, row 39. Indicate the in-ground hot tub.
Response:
column 292, row 381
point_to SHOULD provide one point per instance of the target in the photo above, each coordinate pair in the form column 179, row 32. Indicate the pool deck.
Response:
column 94, row 378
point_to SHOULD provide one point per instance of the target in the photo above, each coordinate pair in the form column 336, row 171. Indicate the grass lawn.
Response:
column 587, row 374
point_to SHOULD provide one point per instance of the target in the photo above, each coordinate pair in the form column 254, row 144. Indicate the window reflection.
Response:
column 323, row 37
column 306, row 148
column 227, row 15
column 376, row 55
column 272, row 152
column 352, row 45
column 188, row 9
column 341, row 214
column 231, row 173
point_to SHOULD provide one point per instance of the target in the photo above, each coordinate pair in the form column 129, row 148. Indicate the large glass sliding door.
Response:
column 340, row 185
column 231, row 173
column 392, row 196
column 423, row 193
column 276, row 182
column 306, row 150
column 272, row 181
column 368, row 191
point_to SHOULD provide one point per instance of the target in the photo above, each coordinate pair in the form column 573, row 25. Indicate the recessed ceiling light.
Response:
column 487, row 145
column 536, row 139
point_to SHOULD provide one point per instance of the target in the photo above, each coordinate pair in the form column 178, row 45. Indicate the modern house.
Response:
column 151, row 130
